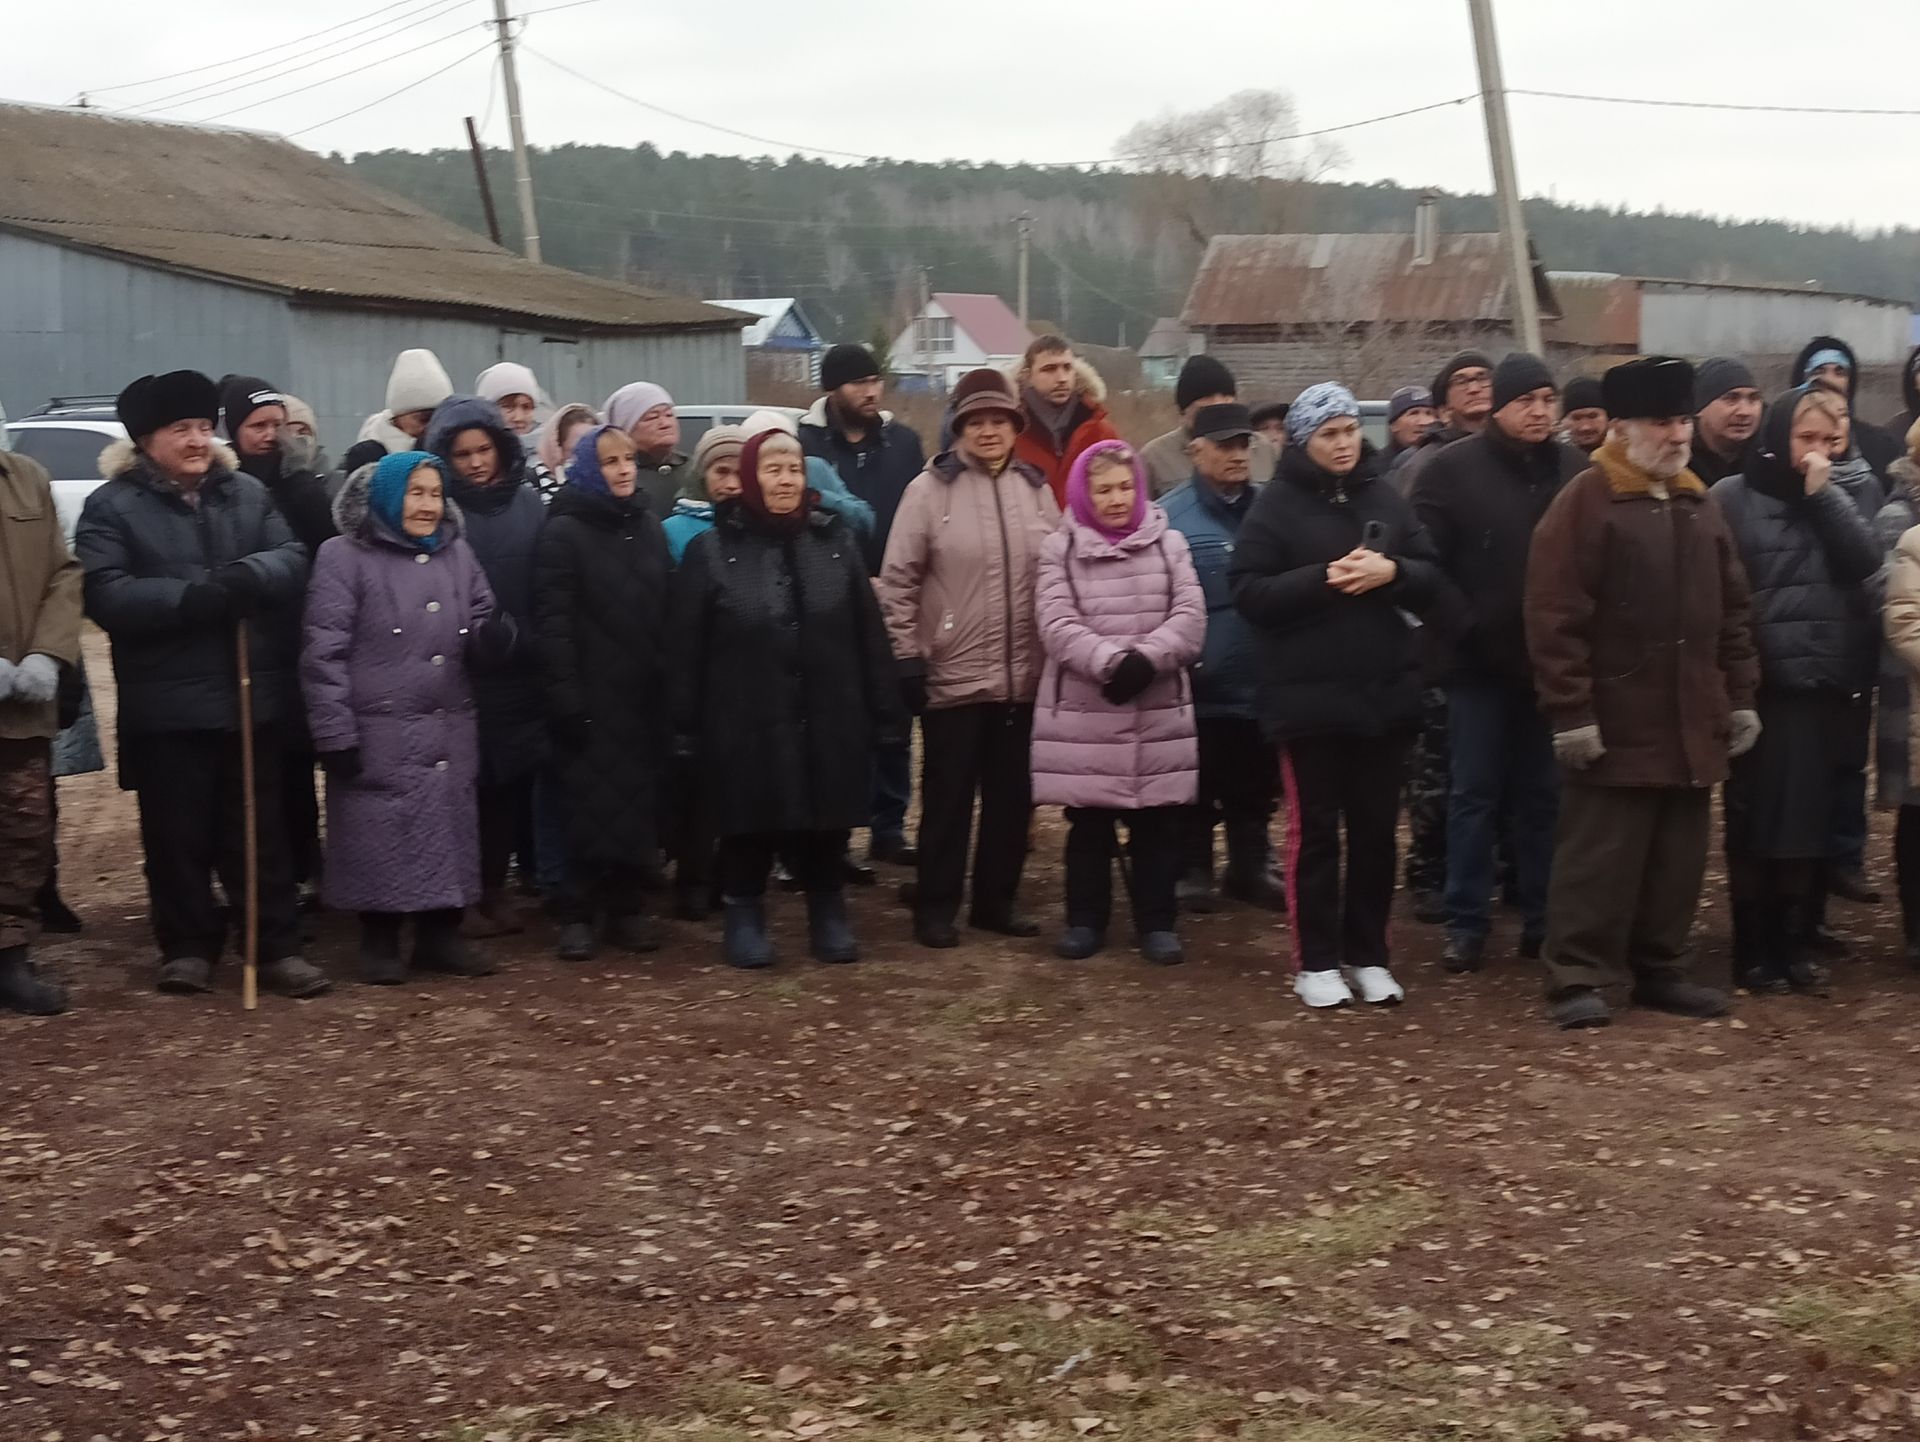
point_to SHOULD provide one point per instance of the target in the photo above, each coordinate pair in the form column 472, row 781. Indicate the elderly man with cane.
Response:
column 180, row 550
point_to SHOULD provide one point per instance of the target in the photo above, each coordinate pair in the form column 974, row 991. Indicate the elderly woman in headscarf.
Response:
column 600, row 599
column 715, row 477
column 645, row 412
column 782, row 685
column 397, row 613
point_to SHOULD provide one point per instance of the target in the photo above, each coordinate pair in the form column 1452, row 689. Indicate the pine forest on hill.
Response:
column 1112, row 250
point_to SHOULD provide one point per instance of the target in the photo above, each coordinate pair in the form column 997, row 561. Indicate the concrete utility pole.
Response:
column 522, row 175
column 1506, row 179
column 1025, row 223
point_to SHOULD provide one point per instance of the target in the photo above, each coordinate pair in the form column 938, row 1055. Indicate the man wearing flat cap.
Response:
column 1637, row 619
column 179, row 549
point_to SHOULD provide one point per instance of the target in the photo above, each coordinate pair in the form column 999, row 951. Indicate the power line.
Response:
column 1713, row 104
column 488, row 45
column 250, row 55
column 350, row 43
column 353, row 74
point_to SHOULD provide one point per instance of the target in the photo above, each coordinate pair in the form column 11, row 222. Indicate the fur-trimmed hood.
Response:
column 122, row 456
column 353, row 514
column 816, row 416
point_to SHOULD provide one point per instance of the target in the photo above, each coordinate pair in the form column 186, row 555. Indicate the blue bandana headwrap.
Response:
column 387, row 493
column 583, row 469
column 1316, row 406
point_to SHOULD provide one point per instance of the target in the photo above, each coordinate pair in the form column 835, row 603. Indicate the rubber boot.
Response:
column 1249, row 876
column 829, row 937
column 23, row 990
column 744, row 941
column 380, row 963
column 56, row 917
column 438, row 946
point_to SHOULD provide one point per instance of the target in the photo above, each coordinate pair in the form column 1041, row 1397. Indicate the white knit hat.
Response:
column 418, row 383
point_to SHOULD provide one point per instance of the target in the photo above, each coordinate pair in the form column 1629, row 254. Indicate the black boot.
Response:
column 828, row 935
column 23, row 990
column 56, row 917
column 380, row 963
column 438, row 946
column 744, row 942
column 1249, row 875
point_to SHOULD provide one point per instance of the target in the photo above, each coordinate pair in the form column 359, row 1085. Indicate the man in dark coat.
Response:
column 1463, row 394
column 1637, row 625
column 1829, row 358
column 253, row 413
column 1726, row 416
column 1479, row 499
column 180, row 549
column 877, row 457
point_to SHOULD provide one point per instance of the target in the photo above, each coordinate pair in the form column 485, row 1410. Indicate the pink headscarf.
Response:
column 1080, row 498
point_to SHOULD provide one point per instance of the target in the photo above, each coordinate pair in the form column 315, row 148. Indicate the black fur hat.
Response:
column 154, row 402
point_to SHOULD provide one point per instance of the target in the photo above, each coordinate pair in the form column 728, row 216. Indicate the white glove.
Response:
column 1746, row 731
column 36, row 680
column 1579, row 748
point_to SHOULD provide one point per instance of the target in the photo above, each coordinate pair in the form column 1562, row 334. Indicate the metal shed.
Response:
column 129, row 246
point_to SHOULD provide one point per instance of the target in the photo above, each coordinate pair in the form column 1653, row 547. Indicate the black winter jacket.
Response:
column 1880, row 448
column 1479, row 500
column 141, row 545
column 878, row 470
column 1325, row 663
column 783, row 681
column 1808, row 559
column 295, row 476
column 600, row 616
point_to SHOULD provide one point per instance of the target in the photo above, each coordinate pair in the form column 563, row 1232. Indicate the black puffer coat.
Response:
column 1479, row 500
column 783, row 681
column 1807, row 559
column 1326, row 663
column 600, row 613
column 141, row 545
column 503, row 526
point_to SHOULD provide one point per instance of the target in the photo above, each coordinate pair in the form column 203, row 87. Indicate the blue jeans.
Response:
column 1502, row 754
column 892, row 789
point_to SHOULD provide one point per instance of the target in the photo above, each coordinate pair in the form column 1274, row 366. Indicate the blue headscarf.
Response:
column 387, row 494
column 1315, row 406
column 583, row 470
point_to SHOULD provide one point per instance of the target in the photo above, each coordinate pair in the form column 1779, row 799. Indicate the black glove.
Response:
column 570, row 732
column 1132, row 676
column 205, row 603
column 912, row 681
column 341, row 765
column 492, row 641
column 241, row 582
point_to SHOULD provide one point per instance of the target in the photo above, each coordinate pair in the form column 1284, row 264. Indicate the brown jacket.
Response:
column 958, row 580
column 39, row 588
column 1902, row 619
column 1637, row 621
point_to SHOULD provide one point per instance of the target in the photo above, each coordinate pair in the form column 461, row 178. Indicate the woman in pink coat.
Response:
column 1121, row 617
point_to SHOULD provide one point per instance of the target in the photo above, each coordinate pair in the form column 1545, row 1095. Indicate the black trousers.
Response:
column 300, row 805
column 1151, row 869
column 817, row 860
column 1906, row 863
column 1331, row 782
column 596, row 889
column 969, row 751
column 504, row 806
column 192, row 826
column 1239, row 782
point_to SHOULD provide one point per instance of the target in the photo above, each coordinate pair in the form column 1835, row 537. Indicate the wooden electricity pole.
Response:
column 1506, row 178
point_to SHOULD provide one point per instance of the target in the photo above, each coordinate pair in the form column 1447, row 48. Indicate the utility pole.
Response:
column 1025, row 223
column 1506, row 179
column 480, row 177
column 522, row 175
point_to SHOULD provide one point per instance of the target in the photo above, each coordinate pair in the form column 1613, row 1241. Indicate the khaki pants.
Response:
column 1628, row 864
column 26, row 838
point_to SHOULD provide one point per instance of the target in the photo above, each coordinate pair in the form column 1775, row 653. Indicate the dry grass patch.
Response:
column 1865, row 1324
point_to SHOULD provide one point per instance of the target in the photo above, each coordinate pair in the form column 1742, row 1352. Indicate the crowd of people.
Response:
column 1546, row 623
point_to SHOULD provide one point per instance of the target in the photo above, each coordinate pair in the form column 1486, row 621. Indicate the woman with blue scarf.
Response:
column 397, row 610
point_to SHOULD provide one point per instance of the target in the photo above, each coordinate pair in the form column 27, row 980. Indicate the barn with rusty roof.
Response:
column 129, row 246
column 1375, row 311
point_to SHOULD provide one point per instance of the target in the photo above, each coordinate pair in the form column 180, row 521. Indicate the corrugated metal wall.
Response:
column 1677, row 320
column 72, row 323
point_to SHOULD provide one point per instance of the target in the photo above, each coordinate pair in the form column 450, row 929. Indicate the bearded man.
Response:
column 1637, row 619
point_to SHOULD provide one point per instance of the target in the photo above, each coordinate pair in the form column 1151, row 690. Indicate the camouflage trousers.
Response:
column 26, row 837
column 1429, row 779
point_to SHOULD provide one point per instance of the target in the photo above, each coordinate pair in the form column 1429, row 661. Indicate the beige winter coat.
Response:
column 1902, row 620
column 957, row 584
column 1168, row 464
column 39, row 588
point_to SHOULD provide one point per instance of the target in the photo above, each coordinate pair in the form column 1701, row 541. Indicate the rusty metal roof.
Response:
column 1259, row 280
column 1597, row 310
column 242, row 206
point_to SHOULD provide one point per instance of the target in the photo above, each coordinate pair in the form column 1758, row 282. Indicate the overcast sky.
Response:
column 1060, row 81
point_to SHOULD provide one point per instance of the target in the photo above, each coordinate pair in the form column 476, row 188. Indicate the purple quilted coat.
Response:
column 1098, row 599
column 384, row 668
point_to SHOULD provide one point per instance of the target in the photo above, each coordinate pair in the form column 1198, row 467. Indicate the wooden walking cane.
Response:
column 250, row 974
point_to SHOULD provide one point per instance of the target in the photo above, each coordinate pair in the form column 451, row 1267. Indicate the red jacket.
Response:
column 1035, row 443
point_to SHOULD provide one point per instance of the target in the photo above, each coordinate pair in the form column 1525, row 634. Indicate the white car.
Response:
column 695, row 421
column 67, row 438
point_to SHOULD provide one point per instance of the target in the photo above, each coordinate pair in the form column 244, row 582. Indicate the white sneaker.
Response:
column 1322, row 988
column 1377, row 986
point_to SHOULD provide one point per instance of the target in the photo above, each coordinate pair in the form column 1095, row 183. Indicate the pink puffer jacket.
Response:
column 1097, row 600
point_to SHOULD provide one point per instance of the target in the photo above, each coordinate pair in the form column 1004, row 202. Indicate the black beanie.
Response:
column 1466, row 360
column 1716, row 376
column 240, row 397
column 1518, row 375
column 1200, row 377
column 153, row 402
column 1582, row 394
column 845, row 364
